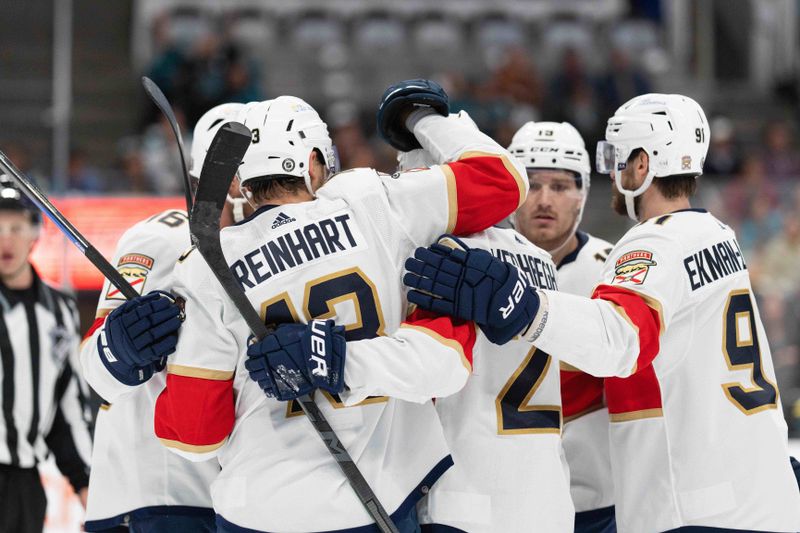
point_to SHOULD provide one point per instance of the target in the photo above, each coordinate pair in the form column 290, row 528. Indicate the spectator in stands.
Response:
column 346, row 131
column 512, row 89
column 206, row 68
column 778, row 270
column 574, row 99
column 780, row 314
column 752, row 182
column 622, row 82
column 161, row 157
column 81, row 176
column 464, row 96
column 167, row 69
column 782, row 160
column 763, row 221
column 133, row 178
column 517, row 80
column 21, row 156
column 241, row 79
column 724, row 158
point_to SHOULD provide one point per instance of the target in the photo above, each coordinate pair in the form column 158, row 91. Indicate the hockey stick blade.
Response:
column 219, row 168
column 157, row 96
column 41, row 201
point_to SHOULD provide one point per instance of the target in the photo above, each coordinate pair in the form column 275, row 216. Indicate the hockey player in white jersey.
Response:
column 698, row 440
column 134, row 480
column 332, row 252
column 503, row 427
column 557, row 162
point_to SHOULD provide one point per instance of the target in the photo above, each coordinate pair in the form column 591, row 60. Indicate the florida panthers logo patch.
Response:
column 633, row 267
column 135, row 269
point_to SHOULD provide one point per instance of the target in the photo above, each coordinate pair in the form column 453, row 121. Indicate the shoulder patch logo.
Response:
column 137, row 259
column 282, row 219
column 633, row 267
column 134, row 268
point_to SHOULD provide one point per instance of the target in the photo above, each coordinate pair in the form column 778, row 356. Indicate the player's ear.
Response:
column 642, row 164
column 317, row 169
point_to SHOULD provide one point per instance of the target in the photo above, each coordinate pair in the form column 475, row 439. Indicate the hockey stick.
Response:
column 222, row 161
column 40, row 200
column 158, row 98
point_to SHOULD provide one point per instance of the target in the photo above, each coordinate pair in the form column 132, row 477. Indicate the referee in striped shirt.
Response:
column 42, row 399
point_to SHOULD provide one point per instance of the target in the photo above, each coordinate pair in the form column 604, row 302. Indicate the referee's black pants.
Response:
column 22, row 500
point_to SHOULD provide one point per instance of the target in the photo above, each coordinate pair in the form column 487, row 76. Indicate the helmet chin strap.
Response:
column 245, row 197
column 237, row 204
column 329, row 171
column 307, row 180
column 630, row 195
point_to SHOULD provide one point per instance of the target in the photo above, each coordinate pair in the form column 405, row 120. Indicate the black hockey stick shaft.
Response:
column 222, row 161
column 158, row 98
column 41, row 201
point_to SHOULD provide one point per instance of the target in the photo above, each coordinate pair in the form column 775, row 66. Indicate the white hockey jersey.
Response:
column 504, row 426
column 585, row 433
column 339, row 256
column 697, row 433
column 132, row 473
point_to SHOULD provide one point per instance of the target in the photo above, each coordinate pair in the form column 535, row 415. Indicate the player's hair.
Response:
column 267, row 187
column 671, row 187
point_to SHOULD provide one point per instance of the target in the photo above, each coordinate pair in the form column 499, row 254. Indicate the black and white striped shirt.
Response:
column 43, row 400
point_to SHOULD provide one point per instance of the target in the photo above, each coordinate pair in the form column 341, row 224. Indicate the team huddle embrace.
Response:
column 481, row 379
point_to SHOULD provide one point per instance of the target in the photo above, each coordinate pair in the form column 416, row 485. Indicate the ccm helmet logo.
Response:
column 318, row 349
column 513, row 299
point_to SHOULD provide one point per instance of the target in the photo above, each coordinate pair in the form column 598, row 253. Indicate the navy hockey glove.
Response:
column 471, row 284
column 139, row 335
column 398, row 101
column 298, row 358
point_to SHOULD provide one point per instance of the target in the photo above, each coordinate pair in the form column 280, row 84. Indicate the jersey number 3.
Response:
column 742, row 351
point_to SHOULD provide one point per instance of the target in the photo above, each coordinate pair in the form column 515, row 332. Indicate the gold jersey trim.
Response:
column 193, row 448
column 452, row 198
column 455, row 345
column 204, row 373
column 636, row 415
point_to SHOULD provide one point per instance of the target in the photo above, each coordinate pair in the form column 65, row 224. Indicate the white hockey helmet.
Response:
column 671, row 128
column 204, row 132
column 555, row 145
column 285, row 132
column 558, row 146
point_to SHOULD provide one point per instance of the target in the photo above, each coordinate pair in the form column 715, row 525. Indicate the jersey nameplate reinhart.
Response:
column 633, row 267
column 134, row 268
column 336, row 234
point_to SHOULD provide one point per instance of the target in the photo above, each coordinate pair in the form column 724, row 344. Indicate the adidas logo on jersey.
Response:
column 281, row 219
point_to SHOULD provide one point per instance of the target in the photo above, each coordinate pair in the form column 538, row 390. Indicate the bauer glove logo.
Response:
column 513, row 299
column 318, row 349
column 106, row 350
